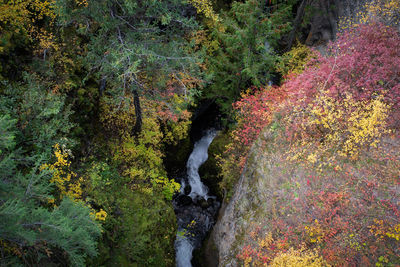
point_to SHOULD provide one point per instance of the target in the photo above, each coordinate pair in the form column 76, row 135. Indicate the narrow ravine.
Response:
column 195, row 209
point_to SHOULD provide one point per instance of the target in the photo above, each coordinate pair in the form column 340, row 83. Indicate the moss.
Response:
column 210, row 171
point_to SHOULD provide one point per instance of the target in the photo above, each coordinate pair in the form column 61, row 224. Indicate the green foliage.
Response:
column 96, row 69
column 142, row 227
column 32, row 104
column 32, row 232
column 141, row 161
column 246, row 41
column 129, row 40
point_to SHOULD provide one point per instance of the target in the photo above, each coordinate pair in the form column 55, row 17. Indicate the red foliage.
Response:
column 255, row 111
column 350, row 213
column 364, row 61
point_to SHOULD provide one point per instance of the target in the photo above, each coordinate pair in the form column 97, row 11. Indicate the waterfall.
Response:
column 194, row 221
column 198, row 156
column 184, row 250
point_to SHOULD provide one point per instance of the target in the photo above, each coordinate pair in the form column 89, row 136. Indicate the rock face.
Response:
column 255, row 198
column 245, row 206
column 326, row 14
column 252, row 198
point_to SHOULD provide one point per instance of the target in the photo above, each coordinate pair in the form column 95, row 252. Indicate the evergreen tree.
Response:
column 248, row 40
column 32, row 231
column 135, row 46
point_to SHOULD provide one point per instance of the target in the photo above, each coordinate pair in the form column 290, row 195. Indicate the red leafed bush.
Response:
column 255, row 110
column 363, row 61
column 346, row 208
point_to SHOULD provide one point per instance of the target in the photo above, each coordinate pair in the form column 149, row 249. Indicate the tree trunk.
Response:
column 102, row 86
column 296, row 23
column 138, row 113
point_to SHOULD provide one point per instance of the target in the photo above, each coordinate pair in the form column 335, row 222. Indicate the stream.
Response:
column 195, row 209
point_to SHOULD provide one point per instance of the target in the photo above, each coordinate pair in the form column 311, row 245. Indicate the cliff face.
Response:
column 249, row 203
column 255, row 198
column 267, row 170
column 325, row 16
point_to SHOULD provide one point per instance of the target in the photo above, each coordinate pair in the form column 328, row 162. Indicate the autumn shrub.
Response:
column 363, row 62
column 336, row 192
column 349, row 215
column 340, row 102
column 299, row 258
column 341, row 109
column 295, row 61
column 329, row 129
column 348, row 100
column 254, row 111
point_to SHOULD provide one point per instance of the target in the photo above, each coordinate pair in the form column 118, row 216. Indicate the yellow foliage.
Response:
column 367, row 124
column 381, row 231
column 205, row 7
column 352, row 241
column 23, row 13
column 332, row 128
column 203, row 38
column 386, row 11
column 65, row 180
column 82, row 3
column 299, row 258
column 101, row 215
column 394, row 232
column 118, row 119
column 15, row 13
column 141, row 156
column 315, row 232
column 177, row 131
column 169, row 187
column 164, row 120
column 294, row 61
column 266, row 241
column 23, row 17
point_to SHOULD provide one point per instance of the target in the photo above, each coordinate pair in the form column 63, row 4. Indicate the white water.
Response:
column 183, row 246
column 184, row 250
column 196, row 159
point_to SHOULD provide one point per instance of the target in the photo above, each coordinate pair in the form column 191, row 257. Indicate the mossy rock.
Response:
column 210, row 171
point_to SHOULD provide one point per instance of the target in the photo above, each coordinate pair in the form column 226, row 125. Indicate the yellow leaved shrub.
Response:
column 299, row 258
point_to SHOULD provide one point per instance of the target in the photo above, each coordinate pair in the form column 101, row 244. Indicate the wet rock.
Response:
column 187, row 189
column 184, row 200
column 203, row 203
column 196, row 216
